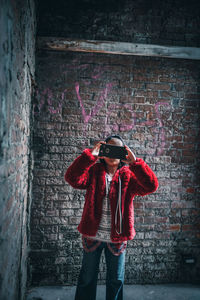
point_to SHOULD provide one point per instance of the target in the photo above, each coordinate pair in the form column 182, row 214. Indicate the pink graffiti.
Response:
column 46, row 98
column 98, row 71
column 50, row 103
column 97, row 106
column 63, row 94
column 122, row 127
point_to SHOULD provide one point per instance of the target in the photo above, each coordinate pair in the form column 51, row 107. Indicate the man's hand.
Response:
column 130, row 157
column 95, row 150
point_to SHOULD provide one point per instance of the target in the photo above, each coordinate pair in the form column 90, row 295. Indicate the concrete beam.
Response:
column 63, row 44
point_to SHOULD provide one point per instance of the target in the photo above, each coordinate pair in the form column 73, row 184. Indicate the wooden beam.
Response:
column 62, row 44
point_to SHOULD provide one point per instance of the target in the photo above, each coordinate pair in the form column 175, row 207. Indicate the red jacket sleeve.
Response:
column 146, row 180
column 77, row 175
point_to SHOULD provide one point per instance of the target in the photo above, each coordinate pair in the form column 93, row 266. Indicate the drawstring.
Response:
column 107, row 186
column 119, row 208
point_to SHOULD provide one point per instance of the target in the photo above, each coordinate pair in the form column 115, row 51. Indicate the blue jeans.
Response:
column 87, row 281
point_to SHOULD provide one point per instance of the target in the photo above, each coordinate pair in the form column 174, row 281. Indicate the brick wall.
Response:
column 17, row 23
column 154, row 104
column 171, row 22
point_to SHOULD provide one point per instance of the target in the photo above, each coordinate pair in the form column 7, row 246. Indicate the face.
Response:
column 114, row 162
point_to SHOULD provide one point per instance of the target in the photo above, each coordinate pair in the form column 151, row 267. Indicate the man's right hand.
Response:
column 95, row 150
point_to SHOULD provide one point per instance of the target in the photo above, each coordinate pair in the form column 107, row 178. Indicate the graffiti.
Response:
column 126, row 119
column 98, row 105
column 46, row 102
column 123, row 109
column 157, row 124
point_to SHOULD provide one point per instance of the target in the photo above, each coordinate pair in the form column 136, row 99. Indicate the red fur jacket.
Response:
column 136, row 179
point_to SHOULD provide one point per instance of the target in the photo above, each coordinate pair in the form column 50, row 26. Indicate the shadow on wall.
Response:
column 62, row 257
column 39, row 147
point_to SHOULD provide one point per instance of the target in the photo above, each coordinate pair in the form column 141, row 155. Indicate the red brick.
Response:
column 162, row 220
column 167, row 94
column 175, row 227
column 182, row 204
column 187, row 227
column 189, row 212
column 156, row 204
column 138, row 205
column 158, row 86
column 190, row 190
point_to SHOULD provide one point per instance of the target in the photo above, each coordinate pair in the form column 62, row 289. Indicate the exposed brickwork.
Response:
column 81, row 98
column 153, row 103
column 17, row 38
column 171, row 22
